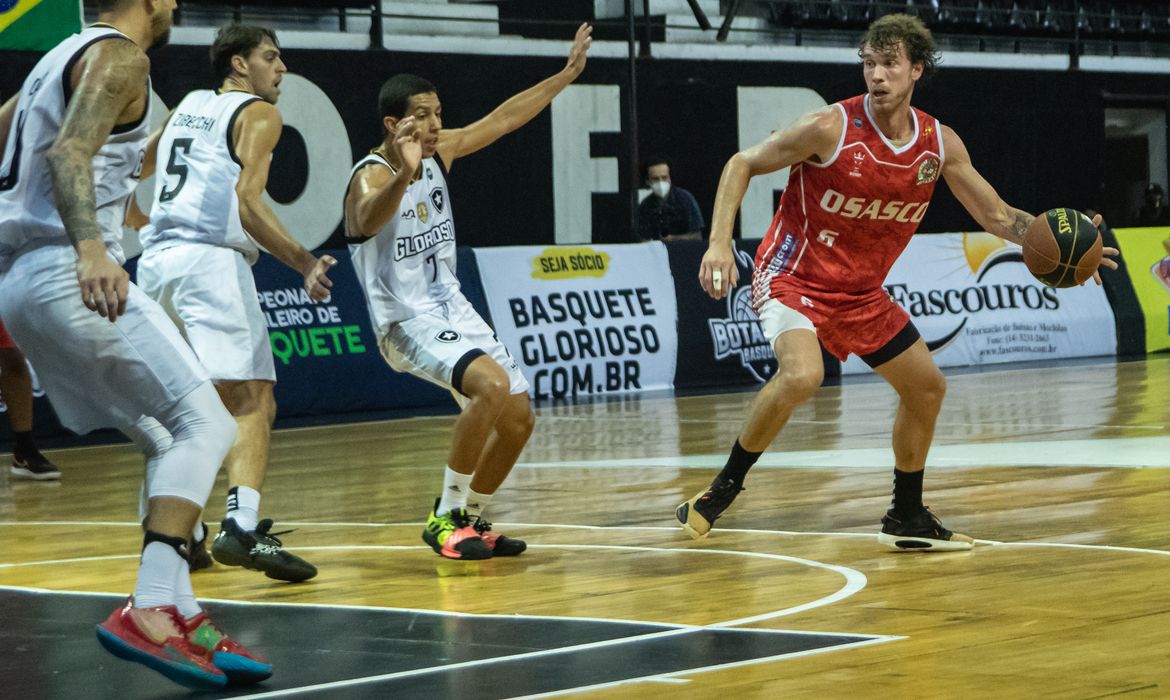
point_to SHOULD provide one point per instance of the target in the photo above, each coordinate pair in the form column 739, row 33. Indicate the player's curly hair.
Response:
column 886, row 33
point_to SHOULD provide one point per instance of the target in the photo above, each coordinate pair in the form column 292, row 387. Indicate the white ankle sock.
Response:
column 185, row 595
column 455, row 488
column 157, row 573
column 243, row 506
column 477, row 502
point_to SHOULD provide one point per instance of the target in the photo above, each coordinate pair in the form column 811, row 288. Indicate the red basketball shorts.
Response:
column 870, row 325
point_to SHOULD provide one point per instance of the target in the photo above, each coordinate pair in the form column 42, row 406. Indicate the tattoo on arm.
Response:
column 1020, row 225
column 113, row 77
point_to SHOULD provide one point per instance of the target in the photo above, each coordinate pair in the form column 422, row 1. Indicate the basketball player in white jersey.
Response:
column 107, row 355
column 207, row 218
column 402, row 239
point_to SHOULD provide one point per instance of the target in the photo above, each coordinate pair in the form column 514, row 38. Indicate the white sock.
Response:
column 455, row 488
column 477, row 502
column 143, row 503
column 197, row 533
column 243, row 506
column 157, row 574
column 185, row 595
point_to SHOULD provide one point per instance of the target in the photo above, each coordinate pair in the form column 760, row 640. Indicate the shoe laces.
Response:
column 481, row 526
column 460, row 518
column 206, row 634
column 263, row 536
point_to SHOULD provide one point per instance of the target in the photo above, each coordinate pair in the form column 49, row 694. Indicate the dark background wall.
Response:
column 1037, row 136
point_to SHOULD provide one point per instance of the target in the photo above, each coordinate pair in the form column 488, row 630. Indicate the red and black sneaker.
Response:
column 920, row 532
column 699, row 514
column 501, row 545
column 452, row 536
column 157, row 638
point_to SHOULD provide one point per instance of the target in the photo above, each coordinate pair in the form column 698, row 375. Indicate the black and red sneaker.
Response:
column 501, row 545
column 920, row 532
column 700, row 513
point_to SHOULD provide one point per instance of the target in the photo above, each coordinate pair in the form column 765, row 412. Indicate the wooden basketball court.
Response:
column 1060, row 471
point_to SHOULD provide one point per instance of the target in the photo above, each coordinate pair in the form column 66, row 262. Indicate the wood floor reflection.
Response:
column 1064, row 597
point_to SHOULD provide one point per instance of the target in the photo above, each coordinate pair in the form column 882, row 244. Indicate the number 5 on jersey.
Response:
column 177, row 165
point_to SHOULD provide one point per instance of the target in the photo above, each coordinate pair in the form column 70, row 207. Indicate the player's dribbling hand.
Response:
column 104, row 284
column 1106, row 252
column 580, row 51
column 718, row 272
column 408, row 144
column 317, row 283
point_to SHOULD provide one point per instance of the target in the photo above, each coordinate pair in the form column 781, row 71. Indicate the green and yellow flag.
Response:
column 37, row 25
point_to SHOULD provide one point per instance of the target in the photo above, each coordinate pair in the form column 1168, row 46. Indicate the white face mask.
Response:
column 660, row 188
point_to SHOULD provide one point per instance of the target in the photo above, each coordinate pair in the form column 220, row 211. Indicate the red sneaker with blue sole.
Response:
column 241, row 666
column 157, row 639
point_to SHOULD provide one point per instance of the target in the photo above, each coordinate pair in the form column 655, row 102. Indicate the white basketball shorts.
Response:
column 97, row 374
column 210, row 293
column 440, row 344
column 776, row 319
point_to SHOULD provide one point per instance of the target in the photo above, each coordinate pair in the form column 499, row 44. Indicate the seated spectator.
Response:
column 1154, row 211
column 670, row 213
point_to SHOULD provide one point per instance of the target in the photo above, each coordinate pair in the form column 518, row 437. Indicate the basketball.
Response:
column 1062, row 248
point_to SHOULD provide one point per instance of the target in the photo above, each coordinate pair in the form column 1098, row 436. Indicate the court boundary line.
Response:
column 873, row 639
column 855, row 581
column 673, row 676
column 451, row 613
column 673, row 628
column 651, row 528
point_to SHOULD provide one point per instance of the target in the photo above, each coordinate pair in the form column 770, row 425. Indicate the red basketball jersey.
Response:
column 842, row 223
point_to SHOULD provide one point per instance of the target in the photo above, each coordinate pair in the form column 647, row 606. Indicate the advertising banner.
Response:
column 1146, row 252
column 584, row 320
column 326, row 356
column 720, row 341
column 975, row 303
column 37, row 25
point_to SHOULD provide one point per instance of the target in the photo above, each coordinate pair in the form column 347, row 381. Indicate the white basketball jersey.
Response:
column 196, row 175
column 408, row 267
column 28, row 216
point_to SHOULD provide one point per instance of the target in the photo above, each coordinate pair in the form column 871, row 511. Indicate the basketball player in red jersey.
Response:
column 863, row 172
column 16, row 389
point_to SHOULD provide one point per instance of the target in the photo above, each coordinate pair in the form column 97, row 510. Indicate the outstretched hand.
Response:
column 580, row 51
column 408, row 144
column 1107, row 255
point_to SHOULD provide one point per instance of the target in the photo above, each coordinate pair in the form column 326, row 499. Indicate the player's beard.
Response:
column 162, row 32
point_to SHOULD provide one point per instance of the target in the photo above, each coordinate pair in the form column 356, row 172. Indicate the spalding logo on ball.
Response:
column 1062, row 248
